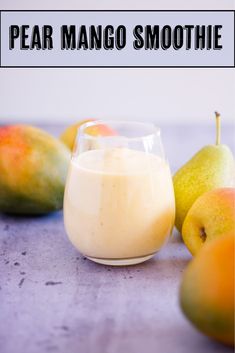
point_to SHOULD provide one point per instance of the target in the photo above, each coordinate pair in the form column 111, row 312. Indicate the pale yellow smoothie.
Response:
column 119, row 203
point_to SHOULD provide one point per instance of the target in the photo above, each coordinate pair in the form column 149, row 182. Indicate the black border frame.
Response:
column 121, row 67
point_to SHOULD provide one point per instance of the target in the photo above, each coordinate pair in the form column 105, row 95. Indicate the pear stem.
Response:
column 217, row 116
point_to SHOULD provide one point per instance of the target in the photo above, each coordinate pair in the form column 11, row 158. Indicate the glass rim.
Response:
column 156, row 131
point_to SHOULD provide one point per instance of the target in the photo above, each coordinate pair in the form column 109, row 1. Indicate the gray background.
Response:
column 165, row 96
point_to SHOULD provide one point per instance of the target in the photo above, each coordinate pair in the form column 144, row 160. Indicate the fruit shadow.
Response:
column 21, row 218
column 168, row 265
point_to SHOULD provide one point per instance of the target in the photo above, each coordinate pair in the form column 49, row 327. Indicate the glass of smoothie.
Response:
column 119, row 205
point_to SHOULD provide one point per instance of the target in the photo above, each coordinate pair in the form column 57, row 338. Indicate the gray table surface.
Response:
column 54, row 300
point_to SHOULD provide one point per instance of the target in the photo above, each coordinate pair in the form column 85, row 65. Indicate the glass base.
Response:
column 121, row 262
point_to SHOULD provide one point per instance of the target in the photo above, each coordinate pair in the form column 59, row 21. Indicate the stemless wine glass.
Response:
column 119, row 205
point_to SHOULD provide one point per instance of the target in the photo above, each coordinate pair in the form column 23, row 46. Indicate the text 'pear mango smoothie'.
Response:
column 119, row 204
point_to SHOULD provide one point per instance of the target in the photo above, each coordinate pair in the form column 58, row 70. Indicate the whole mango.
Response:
column 33, row 168
column 207, row 289
column 68, row 137
column 69, row 134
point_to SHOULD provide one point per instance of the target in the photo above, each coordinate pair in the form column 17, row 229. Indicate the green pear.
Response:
column 212, row 167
